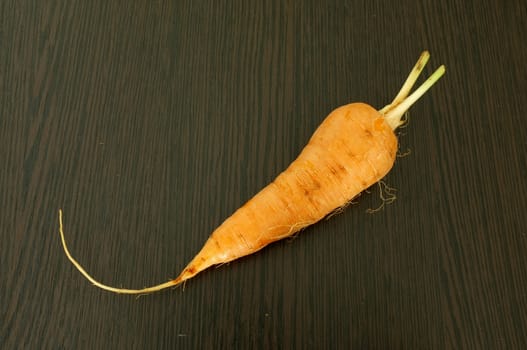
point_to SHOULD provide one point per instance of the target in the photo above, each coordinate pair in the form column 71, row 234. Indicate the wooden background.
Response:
column 150, row 122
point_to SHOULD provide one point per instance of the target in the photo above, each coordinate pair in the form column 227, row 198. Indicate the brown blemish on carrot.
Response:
column 312, row 200
column 337, row 170
column 216, row 243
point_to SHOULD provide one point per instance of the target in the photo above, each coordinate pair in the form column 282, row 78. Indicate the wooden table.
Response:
column 150, row 122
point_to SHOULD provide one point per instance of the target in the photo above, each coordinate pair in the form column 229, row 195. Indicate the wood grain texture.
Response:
column 149, row 122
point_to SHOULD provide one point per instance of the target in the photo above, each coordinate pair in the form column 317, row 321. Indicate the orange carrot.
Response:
column 353, row 148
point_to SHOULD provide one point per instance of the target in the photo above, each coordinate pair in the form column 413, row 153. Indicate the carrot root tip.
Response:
column 96, row 283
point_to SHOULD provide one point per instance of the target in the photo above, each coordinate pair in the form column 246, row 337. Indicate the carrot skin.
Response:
column 352, row 149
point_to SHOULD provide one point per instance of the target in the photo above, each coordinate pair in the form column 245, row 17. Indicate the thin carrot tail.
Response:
column 79, row 267
column 393, row 113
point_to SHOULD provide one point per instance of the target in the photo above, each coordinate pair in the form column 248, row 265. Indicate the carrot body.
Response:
column 353, row 148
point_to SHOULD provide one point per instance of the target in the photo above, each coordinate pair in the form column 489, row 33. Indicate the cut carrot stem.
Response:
column 394, row 116
column 409, row 83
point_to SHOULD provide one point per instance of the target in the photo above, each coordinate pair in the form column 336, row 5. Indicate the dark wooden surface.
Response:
column 149, row 122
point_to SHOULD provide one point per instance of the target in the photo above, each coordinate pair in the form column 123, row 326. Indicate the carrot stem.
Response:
column 394, row 116
column 99, row 284
column 409, row 83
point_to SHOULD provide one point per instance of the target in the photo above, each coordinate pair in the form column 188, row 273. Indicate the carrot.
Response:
column 353, row 148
